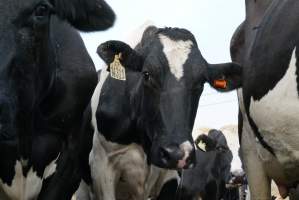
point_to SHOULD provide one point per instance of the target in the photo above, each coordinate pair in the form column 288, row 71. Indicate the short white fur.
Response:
column 23, row 188
column 276, row 114
column 177, row 53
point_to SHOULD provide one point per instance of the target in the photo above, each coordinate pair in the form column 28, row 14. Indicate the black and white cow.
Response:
column 208, row 179
column 46, row 81
column 154, row 107
column 266, row 45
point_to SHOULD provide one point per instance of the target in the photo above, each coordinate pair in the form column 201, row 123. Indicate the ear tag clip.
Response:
column 117, row 71
column 220, row 84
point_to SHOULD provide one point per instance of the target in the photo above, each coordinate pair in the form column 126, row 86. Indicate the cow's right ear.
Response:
column 205, row 143
column 225, row 77
column 127, row 56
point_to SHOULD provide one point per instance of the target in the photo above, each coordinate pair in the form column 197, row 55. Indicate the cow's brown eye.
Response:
column 42, row 11
column 146, row 76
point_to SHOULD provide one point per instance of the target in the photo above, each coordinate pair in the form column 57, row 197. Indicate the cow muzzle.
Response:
column 178, row 157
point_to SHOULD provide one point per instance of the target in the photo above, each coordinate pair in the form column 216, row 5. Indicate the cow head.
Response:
column 27, row 50
column 171, row 75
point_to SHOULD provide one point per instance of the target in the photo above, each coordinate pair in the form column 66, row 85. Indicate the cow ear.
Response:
column 225, row 77
column 205, row 143
column 85, row 15
column 127, row 56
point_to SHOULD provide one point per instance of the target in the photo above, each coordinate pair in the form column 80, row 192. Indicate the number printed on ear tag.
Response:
column 117, row 71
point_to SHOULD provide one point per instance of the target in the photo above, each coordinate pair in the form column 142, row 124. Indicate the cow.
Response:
column 149, row 96
column 46, row 81
column 265, row 44
column 208, row 179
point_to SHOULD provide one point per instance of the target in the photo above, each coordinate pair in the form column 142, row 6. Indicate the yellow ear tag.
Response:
column 201, row 145
column 117, row 71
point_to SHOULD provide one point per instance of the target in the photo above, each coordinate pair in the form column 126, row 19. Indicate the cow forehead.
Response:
column 177, row 53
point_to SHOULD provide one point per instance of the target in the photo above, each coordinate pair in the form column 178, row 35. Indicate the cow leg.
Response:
column 102, row 174
column 84, row 192
column 133, row 170
column 169, row 191
column 259, row 183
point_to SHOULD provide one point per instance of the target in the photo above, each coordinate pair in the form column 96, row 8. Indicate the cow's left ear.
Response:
column 85, row 15
column 127, row 56
column 224, row 77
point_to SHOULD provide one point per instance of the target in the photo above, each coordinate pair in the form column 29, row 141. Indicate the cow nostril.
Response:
column 165, row 154
column 171, row 154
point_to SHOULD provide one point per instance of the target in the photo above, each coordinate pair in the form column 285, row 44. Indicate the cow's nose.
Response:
column 178, row 157
column 171, row 155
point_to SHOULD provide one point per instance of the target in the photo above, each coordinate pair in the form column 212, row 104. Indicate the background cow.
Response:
column 266, row 45
column 46, row 81
column 155, row 106
column 209, row 177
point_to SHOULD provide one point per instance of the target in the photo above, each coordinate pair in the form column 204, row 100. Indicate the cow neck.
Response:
column 116, row 119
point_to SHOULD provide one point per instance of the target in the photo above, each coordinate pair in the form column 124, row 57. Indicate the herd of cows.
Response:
column 125, row 132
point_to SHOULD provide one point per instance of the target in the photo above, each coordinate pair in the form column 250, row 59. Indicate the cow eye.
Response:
column 42, row 11
column 146, row 76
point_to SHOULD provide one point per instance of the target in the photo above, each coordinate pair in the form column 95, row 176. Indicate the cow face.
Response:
column 171, row 75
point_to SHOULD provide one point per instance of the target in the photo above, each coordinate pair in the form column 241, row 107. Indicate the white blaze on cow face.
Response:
column 276, row 116
column 187, row 148
column 177, row 53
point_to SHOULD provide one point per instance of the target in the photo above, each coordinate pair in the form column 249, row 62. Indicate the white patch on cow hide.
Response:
column 96, row 97
column 51, row 168
column 186, row 147
column 84, row 192
column 177, row 53
column 276, row 116
column 24, row 188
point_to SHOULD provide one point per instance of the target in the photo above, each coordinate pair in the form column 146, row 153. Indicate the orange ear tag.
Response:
column 220, row 84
